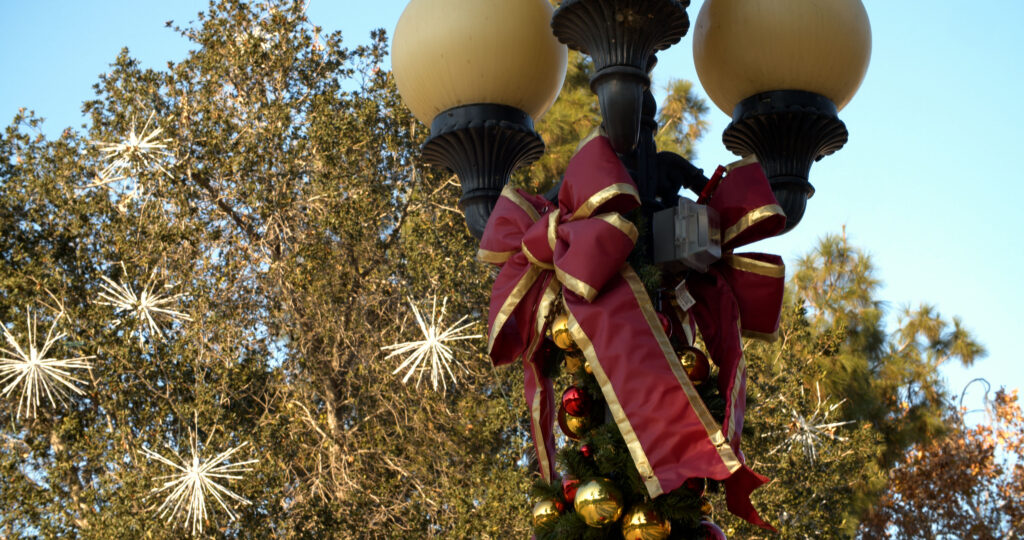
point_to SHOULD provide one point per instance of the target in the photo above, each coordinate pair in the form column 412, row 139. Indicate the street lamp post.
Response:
column 482, row 71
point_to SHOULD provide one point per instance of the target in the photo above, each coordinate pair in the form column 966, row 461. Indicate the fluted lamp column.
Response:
column 480, row 72
column 783, row 69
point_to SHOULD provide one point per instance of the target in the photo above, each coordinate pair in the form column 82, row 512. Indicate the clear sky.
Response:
column 927, row 184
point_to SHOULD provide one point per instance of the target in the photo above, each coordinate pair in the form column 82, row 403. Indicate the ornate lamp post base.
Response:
column 788, row 130
column 482, row 144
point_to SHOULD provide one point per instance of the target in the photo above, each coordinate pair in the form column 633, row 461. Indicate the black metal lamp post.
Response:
column 483, row 70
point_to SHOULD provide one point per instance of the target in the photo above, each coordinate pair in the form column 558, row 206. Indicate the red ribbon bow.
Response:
column 578, row 251
column 741, row 294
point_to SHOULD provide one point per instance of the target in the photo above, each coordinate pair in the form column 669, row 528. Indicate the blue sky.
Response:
column 927, row 184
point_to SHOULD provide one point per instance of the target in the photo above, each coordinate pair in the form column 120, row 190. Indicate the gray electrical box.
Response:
column 688, row 234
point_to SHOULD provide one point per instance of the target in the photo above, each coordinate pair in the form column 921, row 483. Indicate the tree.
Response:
column 889, row 379
column 283, row 201
column 834, row 345
column 967, row 484
column 270, row 179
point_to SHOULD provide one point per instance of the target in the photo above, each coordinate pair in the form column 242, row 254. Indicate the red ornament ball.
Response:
column 587, row 450
column 666, row 324
column 696, row 485
column 576, row 401
column 569, row 486
column 712, row 531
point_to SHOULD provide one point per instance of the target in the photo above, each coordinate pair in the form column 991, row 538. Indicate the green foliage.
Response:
column 294, row 218
column 681, row 119
column 296, row 222
column 889, row 379
column 834, row 343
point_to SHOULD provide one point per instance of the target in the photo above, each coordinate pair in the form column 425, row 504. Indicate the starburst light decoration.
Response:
column 148, row 307
column 431, row 353
column 807, row 432
column 29, row 369
column 195, row 481
column 135, row 151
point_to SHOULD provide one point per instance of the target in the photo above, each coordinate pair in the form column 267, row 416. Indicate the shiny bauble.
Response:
column 598, row 502
column 573, row 426
column 569, row 487
column 712, row 531
column 573, row 362
column 547, row 512
column 559, row 331
column 587, row 451
column 587, row 368
column 696, row 485
column 576, row 401
column 577, row 424
column 696, row 364
column 644, row 523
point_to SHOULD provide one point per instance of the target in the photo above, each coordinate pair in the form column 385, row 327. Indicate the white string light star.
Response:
column 138, row 151
column 29, row 368
column 807, row 432
column 431, row 353
column 195, row 481
column 148, row 307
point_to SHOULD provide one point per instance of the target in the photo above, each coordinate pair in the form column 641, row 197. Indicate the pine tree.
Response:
column 834, row 343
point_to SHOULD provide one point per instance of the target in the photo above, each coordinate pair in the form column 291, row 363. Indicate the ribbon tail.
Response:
column 669, row 432
column 738, row 488
column 540, row 397
column 718, row 317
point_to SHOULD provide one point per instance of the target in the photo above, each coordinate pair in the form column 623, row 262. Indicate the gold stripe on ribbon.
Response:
column 553, row 228
column 741, row 372
column 494, row 257
column 624, row 226
column 734, row 396
column 538, row 437
column 551, row 295
column 594, row 133
column 710, row 426
column 755, row 266
column 511, row 194
column 603, row 196
column 750, row 158
column 534, row 260
column 576, row 285
column 518, row 292
column 643, row 465
column 752, row 218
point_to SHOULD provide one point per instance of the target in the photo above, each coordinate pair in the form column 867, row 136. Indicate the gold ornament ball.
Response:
column 573, row 363
column 587, row 368
column 577, row 424
column 560, row 333
column 598, row 502
column 644, row 523
column 546, row 512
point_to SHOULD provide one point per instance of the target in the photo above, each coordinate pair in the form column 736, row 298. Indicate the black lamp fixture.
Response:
column 482, row 71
